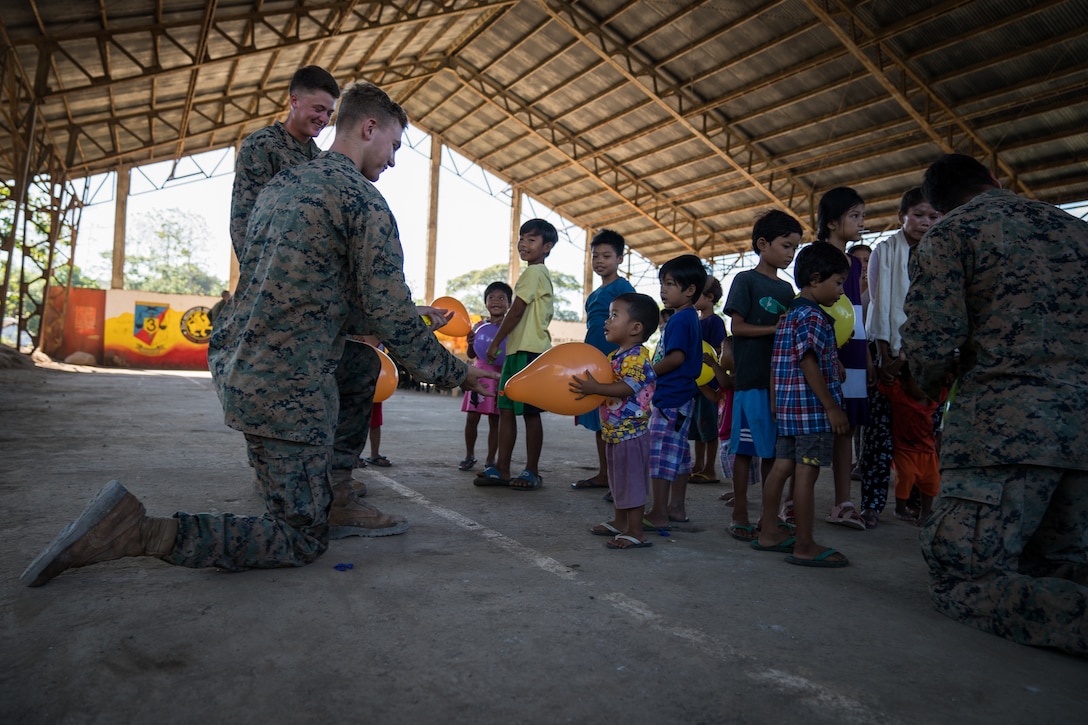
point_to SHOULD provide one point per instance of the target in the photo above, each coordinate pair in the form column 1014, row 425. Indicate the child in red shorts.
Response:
column 914, row 446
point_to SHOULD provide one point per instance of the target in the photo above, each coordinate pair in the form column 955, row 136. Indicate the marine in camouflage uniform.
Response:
column 1002, row 280
column 261, row 156
column 322, row 252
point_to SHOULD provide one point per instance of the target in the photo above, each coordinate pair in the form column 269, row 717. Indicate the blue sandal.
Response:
column 534, row 481
column 490, row 477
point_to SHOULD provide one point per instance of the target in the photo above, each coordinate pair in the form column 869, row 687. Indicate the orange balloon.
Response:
column 387, row 378
column 545, row 381
column 461, row 324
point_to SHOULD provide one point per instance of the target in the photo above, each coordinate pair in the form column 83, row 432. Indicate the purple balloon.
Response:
column 485, row 334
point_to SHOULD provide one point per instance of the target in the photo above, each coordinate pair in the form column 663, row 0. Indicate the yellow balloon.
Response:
column 545, row 382
column 843, row 314
column 460, row 325
column 387, row 378
column 707, row 373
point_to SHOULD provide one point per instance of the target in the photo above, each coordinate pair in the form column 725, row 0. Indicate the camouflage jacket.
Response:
column 1002, row 279
column 261, row 156
column 322, row 249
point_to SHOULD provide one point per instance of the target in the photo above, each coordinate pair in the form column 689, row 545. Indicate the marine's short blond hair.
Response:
column 360, row 101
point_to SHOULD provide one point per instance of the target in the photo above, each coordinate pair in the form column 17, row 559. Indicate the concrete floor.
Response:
column 497, row 606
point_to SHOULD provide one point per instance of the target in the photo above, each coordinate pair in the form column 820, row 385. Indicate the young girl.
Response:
column 841, row 220
column 497, row 298
column 704, row 416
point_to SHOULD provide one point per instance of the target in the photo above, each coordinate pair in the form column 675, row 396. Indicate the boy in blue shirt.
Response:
column 606, row 250
column 808, row 406
column 678, row 362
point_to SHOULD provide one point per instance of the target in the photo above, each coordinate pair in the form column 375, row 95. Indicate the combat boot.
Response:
column 113, row 526
column 355, row 517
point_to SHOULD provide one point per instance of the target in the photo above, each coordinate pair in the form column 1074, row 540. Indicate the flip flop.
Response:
column 743, row 532
column 587, row 483
column 490, row 477
column 381, row 461
column 633, row 543
column 680, row 521
column 647, row 526
column 702, row 478
column 820, row 560
column 605, row 529
column 529, row 477
column 782, row 547
column 466, row 464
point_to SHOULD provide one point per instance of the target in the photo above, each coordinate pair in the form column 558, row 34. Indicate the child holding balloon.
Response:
column 525, row 331
column 497, row 297
column 704, row 426
column 841, row 220
column 625, row 415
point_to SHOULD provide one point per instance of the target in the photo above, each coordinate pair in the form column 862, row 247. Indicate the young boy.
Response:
column 914, row 446
column 606, row 250
column 526, row 326
column 625, row 416
column 757, row 299
column 808, row 406
column 677, row 363
column 497, row 298
column 704, row 427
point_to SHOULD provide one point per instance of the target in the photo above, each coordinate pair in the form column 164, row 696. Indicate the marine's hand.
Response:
column 472, row 380
column 438, row 317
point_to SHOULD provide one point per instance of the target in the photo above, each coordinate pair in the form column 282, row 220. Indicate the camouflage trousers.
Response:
column 356, row 380
column 295, row 479
column 1007, row 549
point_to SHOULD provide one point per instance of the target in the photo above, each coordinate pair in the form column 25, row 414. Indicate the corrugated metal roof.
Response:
column 673, row 122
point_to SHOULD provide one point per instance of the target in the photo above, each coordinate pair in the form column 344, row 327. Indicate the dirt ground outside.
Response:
column 496, row 606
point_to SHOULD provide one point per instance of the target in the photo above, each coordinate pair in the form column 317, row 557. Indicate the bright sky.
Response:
column 473, row 231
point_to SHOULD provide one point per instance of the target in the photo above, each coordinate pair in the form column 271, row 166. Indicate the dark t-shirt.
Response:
column 750, row 296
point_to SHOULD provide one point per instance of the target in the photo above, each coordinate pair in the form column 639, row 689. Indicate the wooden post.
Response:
column 432, row 217
column 515, row 225
column 120, row 219
column 587, row 280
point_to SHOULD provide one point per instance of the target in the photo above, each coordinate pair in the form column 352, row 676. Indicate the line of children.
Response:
column 625, row 416
column 606, row 255
column 525, row 330
column 497, row 298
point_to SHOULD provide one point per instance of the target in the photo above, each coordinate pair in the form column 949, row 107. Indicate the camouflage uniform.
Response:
column 261, row 156
column 322, row 253
column 1002, row 279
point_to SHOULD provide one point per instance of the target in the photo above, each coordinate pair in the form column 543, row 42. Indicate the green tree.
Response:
column 469, row 288
column 165, row 255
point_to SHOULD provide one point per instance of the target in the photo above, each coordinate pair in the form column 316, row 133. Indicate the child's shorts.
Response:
column 704, row 419
column 754, row 431
column 808, row 449
column 482, row 404
column 376, row 415
column 629, row 471
column 670, row 454
column 916, row 468
column 513, row 365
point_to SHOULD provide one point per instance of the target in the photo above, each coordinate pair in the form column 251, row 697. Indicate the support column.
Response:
column 432, row 217
column 587, row 280
column 120, row 221
column 515, row 226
